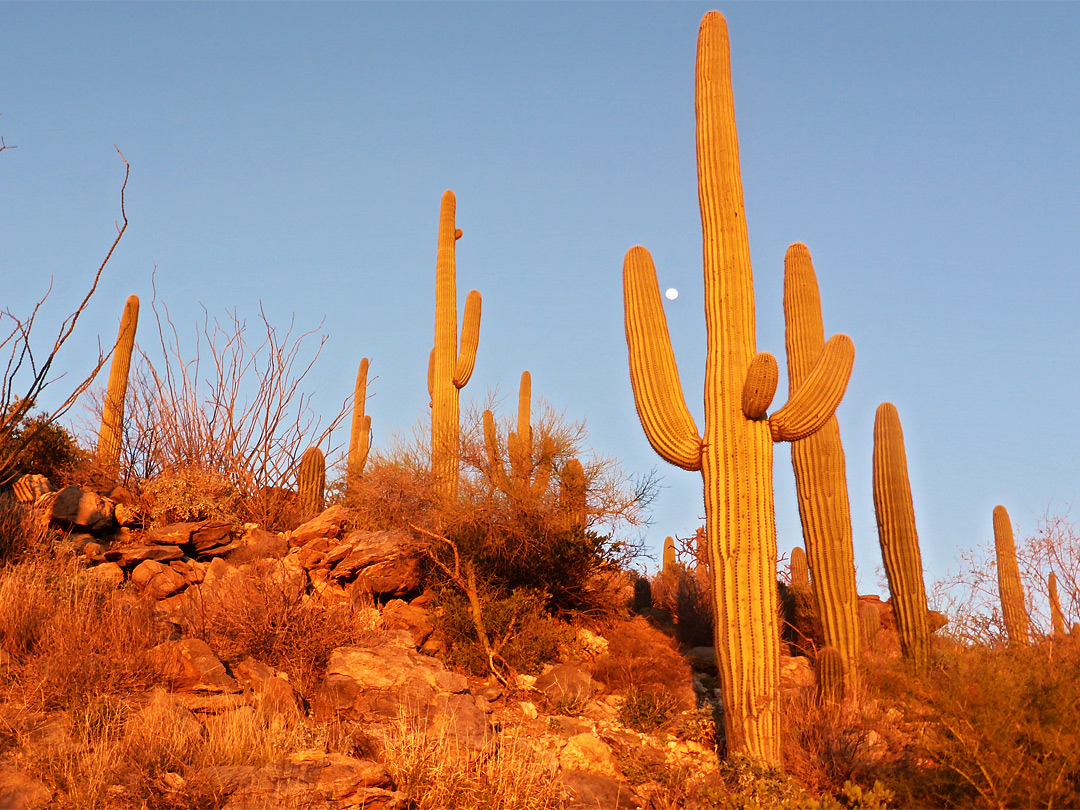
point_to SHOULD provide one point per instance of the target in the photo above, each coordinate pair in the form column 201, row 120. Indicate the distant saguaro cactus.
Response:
column 1057, row 618
column 311, row 480
column 670, row 560
column 869, row 625
column 1013, row 610
column 573, row 492
column 450, row 367
column 530, row 471
column 820, row 473
column 110, row 436
column 895, row 512
column 797, row 567
column 735, row 452
column 360, row 437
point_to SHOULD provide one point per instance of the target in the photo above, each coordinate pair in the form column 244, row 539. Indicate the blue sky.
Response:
column 294, row 154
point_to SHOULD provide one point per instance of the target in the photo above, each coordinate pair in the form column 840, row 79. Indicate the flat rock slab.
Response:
column 595, row 791
column 190, row 664
column 131, row 555
column 314, row 780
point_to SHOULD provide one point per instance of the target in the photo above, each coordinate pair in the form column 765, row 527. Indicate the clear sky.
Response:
column 295, row 154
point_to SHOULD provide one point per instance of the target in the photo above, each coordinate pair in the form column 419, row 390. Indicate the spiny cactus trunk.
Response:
column 735, row 453
column 820, row 474
column 311, row 481
column 1013, row 610
column 899, row 540
column 110, row 437
column 449, row 368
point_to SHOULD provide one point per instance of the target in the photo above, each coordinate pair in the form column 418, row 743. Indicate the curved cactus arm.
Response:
column 760, row 387
column 654, row 376
column 360, row 437
column 818, row 397
column 431, row 378
column 470, row 339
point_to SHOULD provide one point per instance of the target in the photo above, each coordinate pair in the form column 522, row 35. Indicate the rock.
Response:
column 136, row 554
column 275, row 695
column 94, row 552
column 936, row 620
column 74, row 507
column 587, row 752
column 388, row 563
column 109, row 574
column 703, row 659
column 400, row 615
column 326, row 525
column 461, row 717
column 20, row 791
column 28, row 488
column 565, row 683
column 591, row 643
column 529, row 710
column 146, row 571
column 383, row 681
column 128, row 515
column 258, row 544
column 796, row 672
column 165, row 583
column 190, row 664
column 312, row 779
column 591, row 790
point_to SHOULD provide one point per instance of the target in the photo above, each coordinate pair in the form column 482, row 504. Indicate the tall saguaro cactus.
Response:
column 735, row 452
column 1013, row 610
column 360, row 437
column 895, row 512
column 450, row 367
column 820, row 474
column 110, row 436
column 530, row 472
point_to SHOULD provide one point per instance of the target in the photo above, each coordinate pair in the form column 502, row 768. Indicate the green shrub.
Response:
column 646, row 710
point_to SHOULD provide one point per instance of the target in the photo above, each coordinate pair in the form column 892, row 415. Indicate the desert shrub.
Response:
column 684, row 594
column 800, row 625
column 646, row 710
column 189, row 494
column 520, row 631
column 260, row 611
column 37, row 444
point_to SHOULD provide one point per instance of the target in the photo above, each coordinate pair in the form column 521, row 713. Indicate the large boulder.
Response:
column 189, row 664
column 387, row 564
column 72, row 507
column 314, row 780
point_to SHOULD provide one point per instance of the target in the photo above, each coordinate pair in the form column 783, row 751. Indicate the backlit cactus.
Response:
column 895, row 512
column 797, row 567
column 820, row 473
column 830, row 666
column 670, row 560
column 1057, row 618
column 311, row 481
column 110, row 436
column 530, row 468
column 360, row 436
column 1013, row 610
column 734, row 454
column 449, row 367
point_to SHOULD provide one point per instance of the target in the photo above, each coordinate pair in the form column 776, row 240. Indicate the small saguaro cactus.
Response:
column 830, row 675
column 360, row 437
column 450, row 367
column 1013, row 611
column 530, row 472
column 869, row 625
column 311, row 481
column 1057, row 618
column 820, row 473
column 573, row 492
column 110, row 437
column 797, row 568
column 895, row 512
column 670, row 560
column 735, row 452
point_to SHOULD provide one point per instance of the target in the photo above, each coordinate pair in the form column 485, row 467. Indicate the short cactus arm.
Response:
column 817, row 399
column 497, row 472
column 760, row 387
column 470, row 339
column 431, row 376
column 658, row 394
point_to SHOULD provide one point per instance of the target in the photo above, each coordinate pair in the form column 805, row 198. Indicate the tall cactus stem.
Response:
column 110, row 436
column 311, row 481
column 573, row 493
column 895, row 513
column 734, row 453
column 360, row 437
column 449, row 367
column 830, row 665
column 820, row 473
column 1013, row 610
column 670, row 560
column 799, row 570
column 869, row 625
column 1057, row 618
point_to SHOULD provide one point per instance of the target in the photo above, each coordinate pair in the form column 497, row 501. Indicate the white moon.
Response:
column 671, row 294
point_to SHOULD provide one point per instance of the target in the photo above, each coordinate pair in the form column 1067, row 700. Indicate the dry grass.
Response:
column 435, row 772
